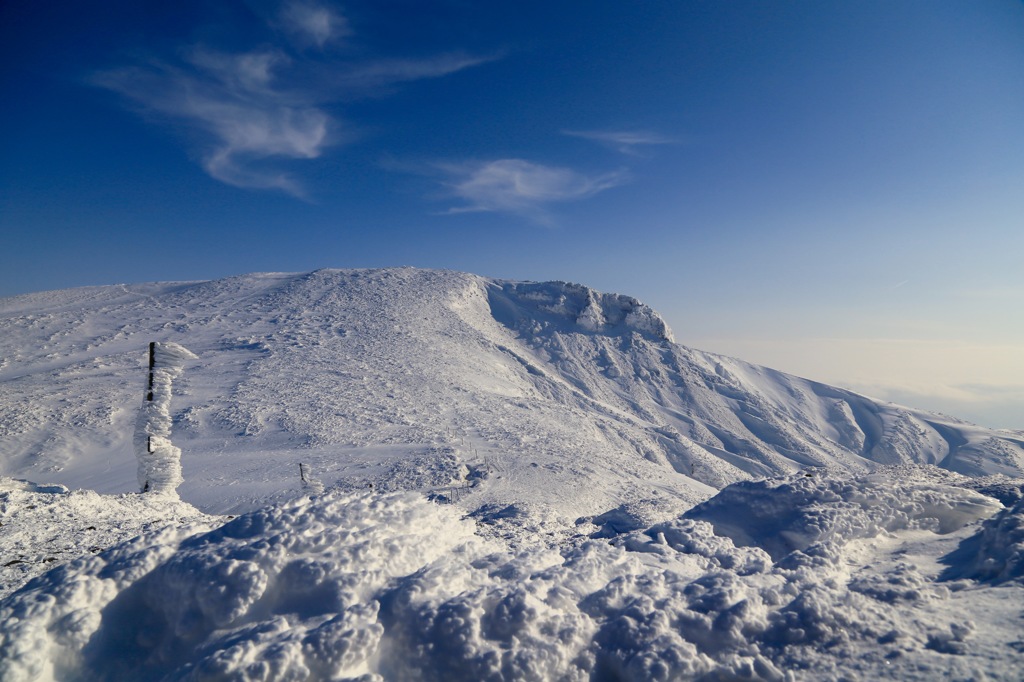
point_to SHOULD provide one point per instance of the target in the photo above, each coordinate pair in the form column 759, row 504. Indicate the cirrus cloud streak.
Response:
column 521, row 187
column 624, row 141
column 249, row 113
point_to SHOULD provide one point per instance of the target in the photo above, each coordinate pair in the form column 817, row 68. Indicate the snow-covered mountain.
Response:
column 525, row 481
column 556, row 395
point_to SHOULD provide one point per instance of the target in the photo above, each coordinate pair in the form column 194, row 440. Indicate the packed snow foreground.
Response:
column 804, row 577
column 524, row 481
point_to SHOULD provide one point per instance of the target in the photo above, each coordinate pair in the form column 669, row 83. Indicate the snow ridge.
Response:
column 590, row 310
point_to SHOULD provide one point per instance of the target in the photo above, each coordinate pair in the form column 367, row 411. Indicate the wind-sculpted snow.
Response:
column 557, row 440
column 996, row 553
column 574, row 305
column 394, row 587
column 288, row 588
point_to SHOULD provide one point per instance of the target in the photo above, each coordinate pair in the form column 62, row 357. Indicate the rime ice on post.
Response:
column 309, row 484
column 159, row 461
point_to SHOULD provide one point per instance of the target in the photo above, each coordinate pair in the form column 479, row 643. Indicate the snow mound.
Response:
column 288, row 588
column 817, row 509
column 633, row 515
column 698, row 539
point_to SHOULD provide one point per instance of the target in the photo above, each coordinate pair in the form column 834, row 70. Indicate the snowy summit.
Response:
column 442, row 476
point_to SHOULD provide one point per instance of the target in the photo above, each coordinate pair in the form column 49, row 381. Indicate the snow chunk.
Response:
column 697, row 538
column 996, row 553
column 805, row 509
column 289, row 589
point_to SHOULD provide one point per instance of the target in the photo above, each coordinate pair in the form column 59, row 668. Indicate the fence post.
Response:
column 152, row 366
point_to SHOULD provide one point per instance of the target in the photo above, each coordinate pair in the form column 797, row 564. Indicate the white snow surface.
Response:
column 524, row 481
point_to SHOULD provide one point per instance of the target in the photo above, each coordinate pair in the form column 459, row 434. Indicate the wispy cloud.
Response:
column 624, row 141
column 310, row 24
column 245, row 119
column 389, row 72
column 520, row 187
column 257, row 110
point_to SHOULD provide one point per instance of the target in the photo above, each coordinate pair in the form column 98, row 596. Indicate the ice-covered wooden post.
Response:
column 159, row 461
column 309, row 483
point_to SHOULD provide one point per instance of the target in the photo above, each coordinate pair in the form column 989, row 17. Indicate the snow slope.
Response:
column 546, row 395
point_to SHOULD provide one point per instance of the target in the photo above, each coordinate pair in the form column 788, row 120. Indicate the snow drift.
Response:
column 368, row 586
column 996, row 553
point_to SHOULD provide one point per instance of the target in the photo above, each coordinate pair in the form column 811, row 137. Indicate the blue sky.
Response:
column 835, row 189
